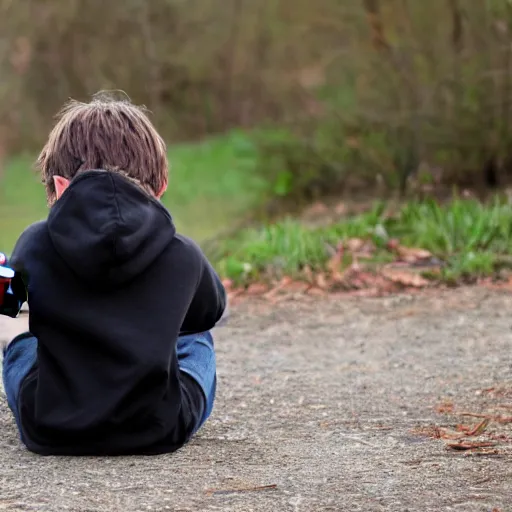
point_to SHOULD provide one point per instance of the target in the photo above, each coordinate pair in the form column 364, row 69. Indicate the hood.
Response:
column 107, row 230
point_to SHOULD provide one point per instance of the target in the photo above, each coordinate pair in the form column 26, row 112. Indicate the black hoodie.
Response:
column 111, row 286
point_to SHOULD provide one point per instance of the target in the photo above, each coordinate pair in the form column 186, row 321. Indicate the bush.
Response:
column 419, row 98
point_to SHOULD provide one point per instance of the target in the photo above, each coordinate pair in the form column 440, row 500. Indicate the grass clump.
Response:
column 470, row 238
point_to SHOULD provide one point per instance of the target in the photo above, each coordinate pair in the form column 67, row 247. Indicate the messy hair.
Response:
column 109, row 133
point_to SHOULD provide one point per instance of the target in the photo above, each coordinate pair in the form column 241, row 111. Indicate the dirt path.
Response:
column 319, row 399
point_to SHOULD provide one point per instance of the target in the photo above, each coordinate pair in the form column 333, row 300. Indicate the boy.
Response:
column 119, row 358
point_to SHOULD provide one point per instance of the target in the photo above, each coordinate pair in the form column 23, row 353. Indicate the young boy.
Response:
column 119, row 358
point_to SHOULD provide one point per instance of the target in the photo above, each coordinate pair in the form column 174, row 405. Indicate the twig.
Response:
column 490, row 417
column 479, row 429
column 474, row 415
column 468, row 445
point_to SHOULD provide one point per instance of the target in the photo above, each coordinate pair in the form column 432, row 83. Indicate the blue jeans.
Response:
column 196, row 358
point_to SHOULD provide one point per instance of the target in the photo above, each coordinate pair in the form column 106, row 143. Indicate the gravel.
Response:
column 320, row 402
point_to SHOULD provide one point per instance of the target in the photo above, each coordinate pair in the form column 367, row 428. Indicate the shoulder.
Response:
column 34, row 229
column 188, row 253
column 29, row 238
column 33, row 232
column 189, row 246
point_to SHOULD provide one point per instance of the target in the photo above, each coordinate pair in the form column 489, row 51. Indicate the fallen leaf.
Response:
column 470, row 445
column 334, row 263
column 413, row 254
column 359, row 247
column 480, row 428
column 321, row 281
column 338, row 277
column 308, row 273
column 282, row 284
column 473, row 414
column 297, row 287
column 257, row 289
column 405, row 278
column 444, row 408
column 354, row 244
column 316, row 292
column 464, row 431
column 408, row 254
column 450, row 434
column 432, row 431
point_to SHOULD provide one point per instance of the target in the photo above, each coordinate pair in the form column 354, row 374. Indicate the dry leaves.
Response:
column 458, row 440
column 257, row 289
column 479, row 439
column 349, row 269
column 444, row 408
column 360, row 248
column 470, row 445
column 463, row 431
column 404, row 278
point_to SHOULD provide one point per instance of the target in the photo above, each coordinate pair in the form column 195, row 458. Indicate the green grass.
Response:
column 472, row 239
column 211, row 184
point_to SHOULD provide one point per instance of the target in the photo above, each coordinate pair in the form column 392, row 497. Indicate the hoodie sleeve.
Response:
column 209, row 302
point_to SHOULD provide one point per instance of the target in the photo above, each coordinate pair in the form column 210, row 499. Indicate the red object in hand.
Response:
column 4, row 281
column 4, row 286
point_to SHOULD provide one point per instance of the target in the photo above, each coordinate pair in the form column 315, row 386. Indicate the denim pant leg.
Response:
column 196, row 358
column 19, row 358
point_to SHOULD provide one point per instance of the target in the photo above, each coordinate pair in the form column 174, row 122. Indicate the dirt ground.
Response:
column 321, row 400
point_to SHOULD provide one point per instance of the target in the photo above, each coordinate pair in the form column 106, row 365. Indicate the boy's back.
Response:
column 111, row 288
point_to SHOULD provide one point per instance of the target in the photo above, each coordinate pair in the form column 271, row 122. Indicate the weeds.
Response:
column 468, row 238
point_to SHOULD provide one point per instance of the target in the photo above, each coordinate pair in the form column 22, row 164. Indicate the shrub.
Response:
column 419, row 98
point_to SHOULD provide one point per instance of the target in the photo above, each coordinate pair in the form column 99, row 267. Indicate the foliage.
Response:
column 469, row 240
column 418, row 98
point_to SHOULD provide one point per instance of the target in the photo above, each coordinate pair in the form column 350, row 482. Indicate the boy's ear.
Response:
column 162, row 191
column 61, row 184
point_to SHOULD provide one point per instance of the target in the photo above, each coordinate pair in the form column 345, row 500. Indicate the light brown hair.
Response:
column 110, row 134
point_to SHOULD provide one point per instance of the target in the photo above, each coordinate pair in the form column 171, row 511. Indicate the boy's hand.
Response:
column 10, row 305
column 6, row 274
